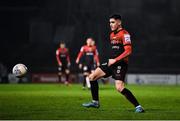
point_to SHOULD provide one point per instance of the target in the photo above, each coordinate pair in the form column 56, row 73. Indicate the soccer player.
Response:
column 116, row 66
column 63, row 60
column 90, row 56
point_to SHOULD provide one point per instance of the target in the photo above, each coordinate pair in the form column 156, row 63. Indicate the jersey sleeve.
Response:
column 126, row 38
column 57, row 56
column 126, row 53
column 96, row 56
column 68, row 57
column 80, row 53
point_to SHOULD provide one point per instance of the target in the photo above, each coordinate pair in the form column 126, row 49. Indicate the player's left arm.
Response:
column 96, row 57
column 68, row 58
column 126, row 53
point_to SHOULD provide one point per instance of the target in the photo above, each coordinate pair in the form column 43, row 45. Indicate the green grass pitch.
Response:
column 55, row 101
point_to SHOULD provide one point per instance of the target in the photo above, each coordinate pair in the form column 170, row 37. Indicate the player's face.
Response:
column 114, row 24
column 89, row 41
column 62, row 45
column 93, row 43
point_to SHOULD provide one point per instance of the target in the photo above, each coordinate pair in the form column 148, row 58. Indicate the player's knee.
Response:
column 67, row 71
column 85, row 74
column 91, row 77
column 120, row 87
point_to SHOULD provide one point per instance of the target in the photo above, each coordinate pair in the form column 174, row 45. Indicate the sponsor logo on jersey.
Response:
column 115, row 47
column 62, row 55
column 89, row 53
column 115, row 41
column 119, row 67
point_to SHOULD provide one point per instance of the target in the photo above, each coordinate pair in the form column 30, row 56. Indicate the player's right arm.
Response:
column 57, row 57
column 80, row 54
column 68, row 57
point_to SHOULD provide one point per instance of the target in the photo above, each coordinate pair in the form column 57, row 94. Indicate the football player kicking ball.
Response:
column 116, row 66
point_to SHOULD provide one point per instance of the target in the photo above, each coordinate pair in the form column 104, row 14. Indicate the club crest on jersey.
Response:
column 115, row 47
column 85, row 68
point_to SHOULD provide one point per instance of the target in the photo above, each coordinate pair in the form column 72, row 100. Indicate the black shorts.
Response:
column 88, row 68
column 117, row 71
column 63, row 68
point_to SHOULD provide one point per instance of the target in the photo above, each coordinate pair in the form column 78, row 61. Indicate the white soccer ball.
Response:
column 19, row 70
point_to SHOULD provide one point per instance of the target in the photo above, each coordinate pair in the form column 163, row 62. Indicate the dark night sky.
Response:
column 30, row 31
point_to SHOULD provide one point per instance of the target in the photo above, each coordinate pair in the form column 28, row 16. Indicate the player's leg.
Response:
column 97, row 74
column 84, row 76
column 86, row 72
column 63, row 72
column 90, row 70
column 67, row 72
column 84, row 81
column 119, row 73
column 94, row 88
column 128, row 94
column 88, row 82
column 59, row 73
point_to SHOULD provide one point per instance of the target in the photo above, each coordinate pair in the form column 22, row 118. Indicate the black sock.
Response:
column 127, row 93
column 67, row 77
column 59, row 78
column 94, row 90
column 84, row 81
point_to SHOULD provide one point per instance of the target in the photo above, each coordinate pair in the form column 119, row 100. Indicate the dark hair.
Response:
column 62, row 42
column 116, row 16
column 90, row 38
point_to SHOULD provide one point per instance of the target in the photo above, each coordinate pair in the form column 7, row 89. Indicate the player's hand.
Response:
column 60, row 64
column 111, row 62
column 77, row 61
column 69, row 64
column 80, row 66
column 98, row 64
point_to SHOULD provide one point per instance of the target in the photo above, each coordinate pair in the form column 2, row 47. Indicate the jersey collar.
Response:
column 116, row 31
